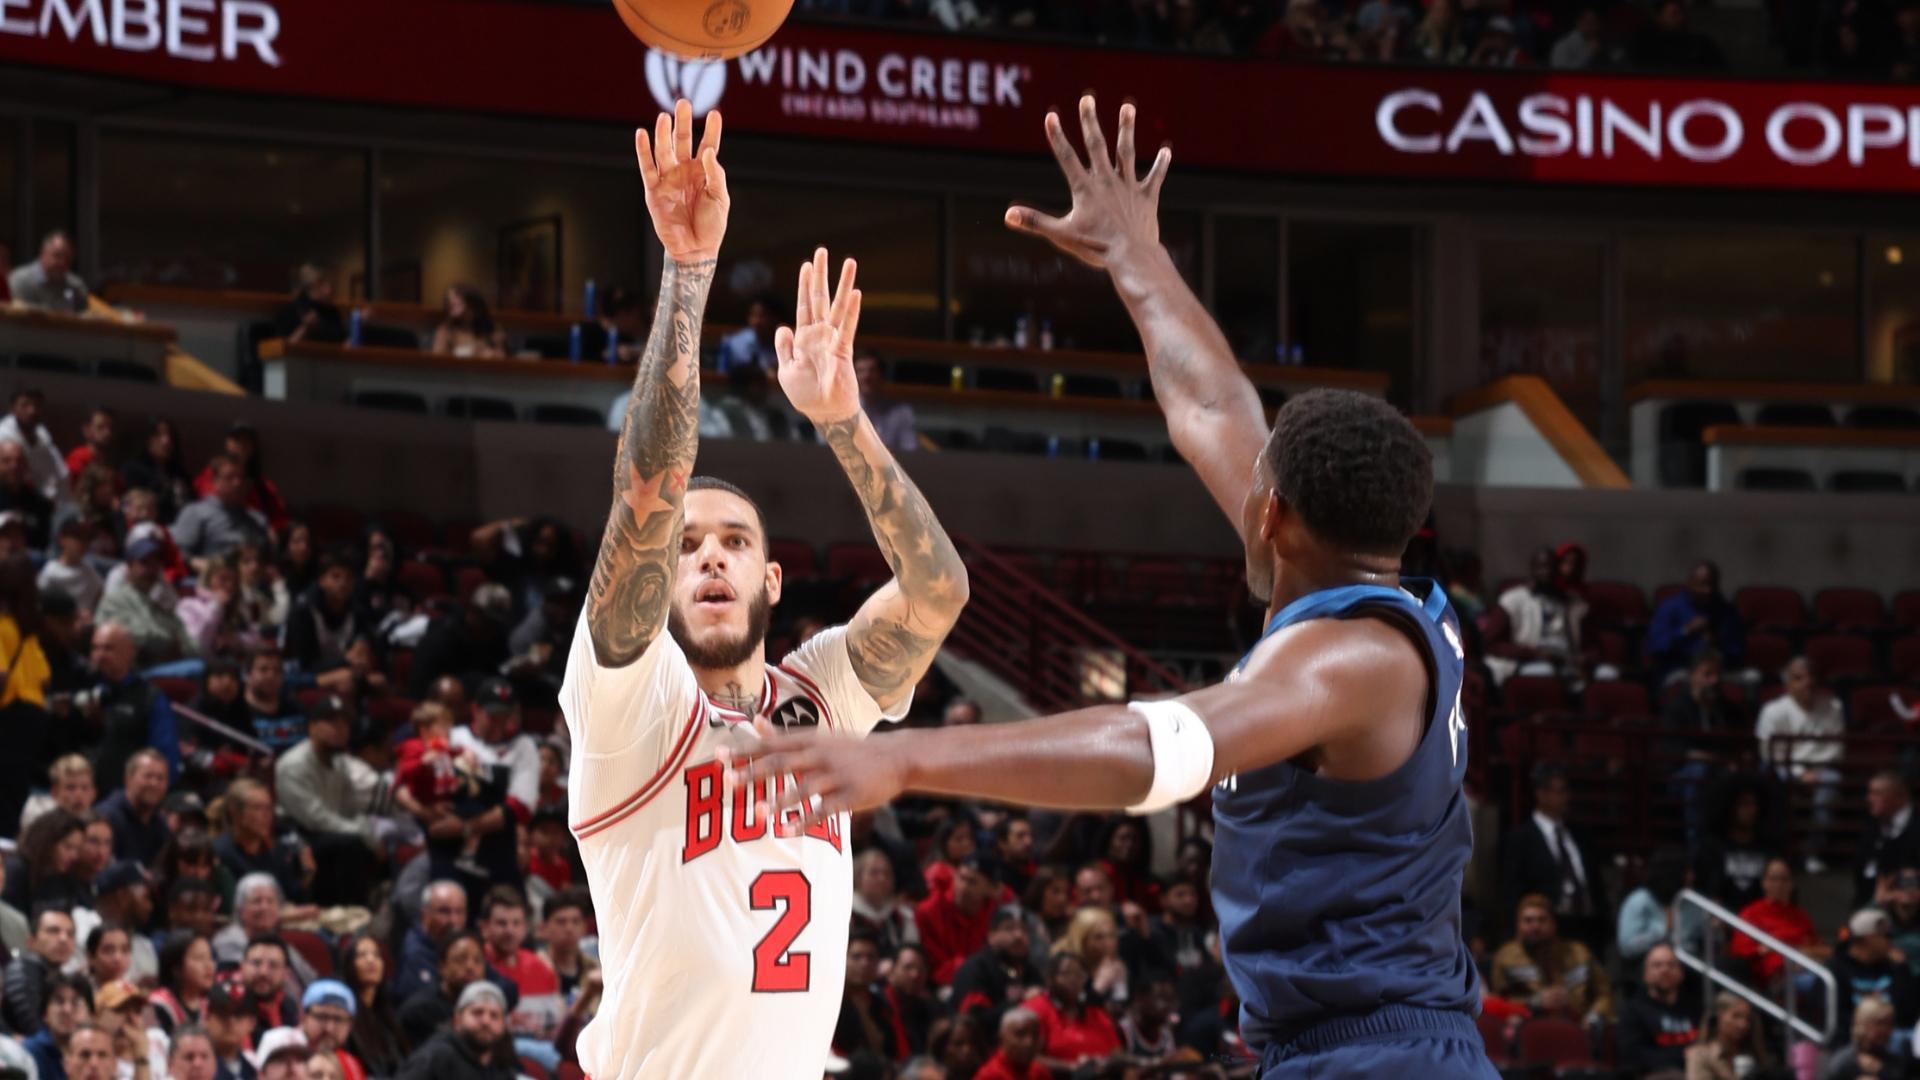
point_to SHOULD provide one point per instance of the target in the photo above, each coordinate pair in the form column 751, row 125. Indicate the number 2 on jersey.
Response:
column 776, row 969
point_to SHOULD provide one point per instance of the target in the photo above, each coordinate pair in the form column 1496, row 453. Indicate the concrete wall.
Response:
column 457, row 469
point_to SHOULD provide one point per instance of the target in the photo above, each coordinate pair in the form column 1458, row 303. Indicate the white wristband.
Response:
column 1182, row 754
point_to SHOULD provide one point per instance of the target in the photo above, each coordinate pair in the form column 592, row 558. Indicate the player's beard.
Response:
column 726, row 652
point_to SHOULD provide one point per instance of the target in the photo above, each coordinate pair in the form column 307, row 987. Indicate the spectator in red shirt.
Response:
column 1018, row 1056
column 1072, row 1031
column 326, row 1019
column 243, row 445
column 1777, row 914
column 537, row 1015
column 952, row 844
column 97, row 434
column 953, row 926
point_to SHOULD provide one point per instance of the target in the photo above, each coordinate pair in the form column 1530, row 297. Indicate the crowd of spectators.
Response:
column 1874, row 39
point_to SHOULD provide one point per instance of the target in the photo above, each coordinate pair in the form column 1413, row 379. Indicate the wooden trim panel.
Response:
column 1435, row 426
column 1861, row 438
column 1555, row 422
column 36, row 319
column 1734, row 390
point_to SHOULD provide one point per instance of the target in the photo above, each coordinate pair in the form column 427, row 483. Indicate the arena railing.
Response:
column 1787, row 1014
column 1047, row 649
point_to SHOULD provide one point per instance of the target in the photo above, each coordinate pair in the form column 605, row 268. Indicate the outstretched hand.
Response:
column 832, row 773
column 816, row 354
column 1113, row 209
column 686, row 192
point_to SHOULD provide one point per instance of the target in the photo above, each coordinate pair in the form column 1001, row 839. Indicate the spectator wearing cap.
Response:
column 47, row 951
column 243, row 445
column 326, row 1019
column 49, row 282
column 493, row 734
column 232, row 1015
column 322, row 622
column 69, row 572
column 68, row 1002
column 282, row 1054
column 1864, row 967
column 120, row 1008
column 953, row 925
column 158, row 634
column 222, row 699
column 470, row 643
column 248, row 844
column 45, row 466
column 475, row 1048
column 19, row 497
column 335, row 799
column 139, row 828
column 123, row 896
column 130, row 711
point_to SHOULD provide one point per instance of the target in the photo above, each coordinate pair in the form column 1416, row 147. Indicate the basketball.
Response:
column 703, row 29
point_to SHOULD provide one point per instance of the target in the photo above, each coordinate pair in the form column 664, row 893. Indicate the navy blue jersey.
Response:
column 1335, row 897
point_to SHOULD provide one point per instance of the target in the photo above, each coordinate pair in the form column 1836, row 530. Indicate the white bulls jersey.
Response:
column 723, row 937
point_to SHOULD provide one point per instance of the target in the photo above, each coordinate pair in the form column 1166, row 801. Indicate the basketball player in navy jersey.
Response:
column 1335, row 751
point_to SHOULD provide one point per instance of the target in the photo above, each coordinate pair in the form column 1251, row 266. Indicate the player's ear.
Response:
column 1273, row 517
column 775, row 575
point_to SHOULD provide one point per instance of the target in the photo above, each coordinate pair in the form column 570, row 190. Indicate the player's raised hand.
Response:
column 1113, row 208
column 686, row 191
column 816, row 354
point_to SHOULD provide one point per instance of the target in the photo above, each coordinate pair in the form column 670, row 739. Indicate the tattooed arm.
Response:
column 1213, row 412
column 893, row 638
column 633, row 577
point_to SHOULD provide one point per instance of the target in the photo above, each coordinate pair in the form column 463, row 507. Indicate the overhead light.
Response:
column 1894, row 255
column 1826, row 279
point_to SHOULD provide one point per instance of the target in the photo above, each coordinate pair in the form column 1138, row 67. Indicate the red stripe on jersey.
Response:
column 813, row 691
column 649, row 789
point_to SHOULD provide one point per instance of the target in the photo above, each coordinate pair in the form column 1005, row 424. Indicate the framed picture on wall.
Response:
column 529, row 275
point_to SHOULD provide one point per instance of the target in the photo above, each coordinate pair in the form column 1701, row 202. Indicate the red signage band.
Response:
column 958, row 92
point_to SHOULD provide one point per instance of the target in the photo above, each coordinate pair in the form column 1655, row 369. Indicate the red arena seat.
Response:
column 1841, row 655
column 1771, row 606
column 1849, row 609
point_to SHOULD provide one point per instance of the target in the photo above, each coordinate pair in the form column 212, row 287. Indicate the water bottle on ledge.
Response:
column 613, row 346
column 592, row 289
column 1020, row 336
column 573, row 343
column 1046, row 335
column 353, row 328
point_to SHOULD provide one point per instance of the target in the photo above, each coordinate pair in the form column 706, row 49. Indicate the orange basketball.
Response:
column 703, row 29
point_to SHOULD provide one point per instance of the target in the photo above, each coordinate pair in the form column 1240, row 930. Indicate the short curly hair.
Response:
column 1353, row 468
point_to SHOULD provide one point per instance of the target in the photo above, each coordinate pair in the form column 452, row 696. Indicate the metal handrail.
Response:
column 232, row 733
column 1704, row 965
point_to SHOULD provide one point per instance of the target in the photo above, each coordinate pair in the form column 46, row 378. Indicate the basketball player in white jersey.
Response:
column 723, row 934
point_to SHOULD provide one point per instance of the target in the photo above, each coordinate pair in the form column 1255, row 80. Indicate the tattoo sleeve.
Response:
column 633, row 576
column 893, row 639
